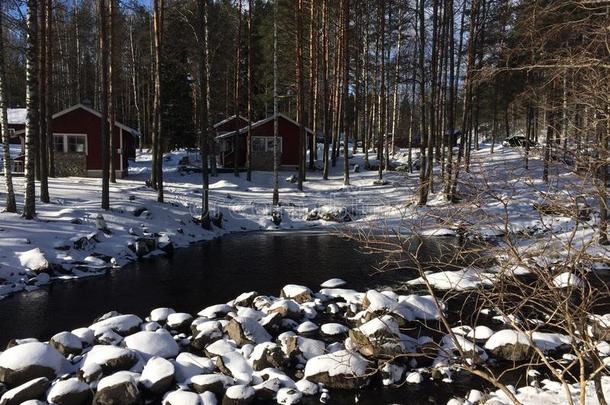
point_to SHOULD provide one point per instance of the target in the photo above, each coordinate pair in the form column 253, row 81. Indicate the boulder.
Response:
column 70, row 392
column 296, row 292
column 266, row 355
column 110, row 358
column 122, row 324
column 158, row 375
column 246, row 331
column 188, row 365
column 181, row 398
column 510, row 345
column 339, row 370
column 33, row 389
column 160, row 344
column 216, row 383
column 67, row 343
column 289, row 396
column 28, row 361
column 239, row 395
column 160, row 314
column 379, row 336
column 180, row 321
column 235, row 365
column 117, row 389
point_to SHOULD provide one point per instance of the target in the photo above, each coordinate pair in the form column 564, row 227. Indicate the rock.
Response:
column 143, row 246
column 246, row 331
column 109, row 337
column 110, row 358
column 333, row 283
column 90, row 373
column 267, row 390
column 117, row 389
column 245, row 299
column 28, row 361
column 289, row 396
column 480, row 333
column 33, row 389
column 307, row 328
column 296, row 292
column 286, row 308
column 206, row 333
column 158, row 375
column 379, row 336
column 239, row 395
column 334, row 330
column 391, row 374
column 414, row 377
column 215, row 311
column 181, row 398
column 67, row 343
column 235, row 365
column 160, row 314
column 188, row 365
column 85, row 335
column 122, row 324
column 70, row 392
column 160, row 344
column 296, row 346
column 510, row 345
column 266, row 355
column 180, row 321
column 307, row 387
column 340, row 370
column 34, row 260
column 216, row 383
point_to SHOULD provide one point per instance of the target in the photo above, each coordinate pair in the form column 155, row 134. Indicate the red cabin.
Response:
column 262, row 144
column 77, row 143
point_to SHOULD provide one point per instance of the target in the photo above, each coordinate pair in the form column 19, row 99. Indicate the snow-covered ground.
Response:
column 64, row 239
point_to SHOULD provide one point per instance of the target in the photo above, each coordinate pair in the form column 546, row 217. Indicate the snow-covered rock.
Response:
column 188, row 365
column 296, row 292
column 34, row 260
column 150, row 344
column 110, row 358
column 158, row 375
column 509, row 344
column 333, row 283
column 567, row 279
column 458, row 280
column 122, row 324
column 27, row 361
column 70, row 391
column 246, row 330
column 179, row 397
column 289, row 396
column 67, row 343
column 160, row 314
column 119, row 388
column 239, row 395
column 341, row 370
column 33, row 389
column 216, row 383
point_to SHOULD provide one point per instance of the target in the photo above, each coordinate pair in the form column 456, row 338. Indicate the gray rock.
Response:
column 33, row 389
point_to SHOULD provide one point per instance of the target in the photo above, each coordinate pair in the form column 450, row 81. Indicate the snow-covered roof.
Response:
column 262, row 122
column 17, row 116
column 229, row 119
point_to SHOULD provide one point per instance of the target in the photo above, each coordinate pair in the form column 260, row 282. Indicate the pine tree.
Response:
column 11, row 205
column 31, row 127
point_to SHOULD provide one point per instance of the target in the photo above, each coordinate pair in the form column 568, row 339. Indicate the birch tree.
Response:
column 204, row 121
column 11, row 205
column 103, row 32
column 31, row 126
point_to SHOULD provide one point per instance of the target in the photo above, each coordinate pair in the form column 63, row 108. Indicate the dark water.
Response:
column 213, row 273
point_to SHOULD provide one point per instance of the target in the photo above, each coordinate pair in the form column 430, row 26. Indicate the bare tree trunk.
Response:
column 276, row 160
column 382, row 100
column 346, row 124
column 300, row 91
column 204, row 121
column 49, row 86
column 423, row 181
column 42, row 101
column 396, row 106
column 31, row 127
column 112, row 57
column 157, row 121
column 326, row 105
column 236, row 143
column 313, row 82
column 104, row 104
column 249, row 137
column 11, row 205
column 134, row 85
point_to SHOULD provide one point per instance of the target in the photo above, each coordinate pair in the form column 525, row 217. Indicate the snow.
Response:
column 153, row 344
column 333, row 329
column 102, row 354
column 239, row 392
column 17, row 116
column 160, row 314
column 379, row 302
column 253, row 330
column 288, row 396
column 422, row 306
column 294, row 290
column 550, row 341
column 238, row 366
column 64, row 387
column 188, row 365
column 343, row 362
column 33, row 259
column 155, row 370
column 120, row 377
column 333, row 283
column 214, row 311
column 414, row 377
column 568, row 279
column 181, row 398
column 84, row 334
column 120, row 324
column 33, row 354
column 480, row 332
column 459, row 280
column 506, row 337
column 307, row 327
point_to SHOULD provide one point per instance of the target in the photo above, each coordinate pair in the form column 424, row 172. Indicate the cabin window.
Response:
column 69, row 143
column 76, row 144
column 265, row 144
column 11, row 132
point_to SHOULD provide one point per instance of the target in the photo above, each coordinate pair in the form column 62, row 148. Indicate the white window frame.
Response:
column 65, row 141
column 265, row 140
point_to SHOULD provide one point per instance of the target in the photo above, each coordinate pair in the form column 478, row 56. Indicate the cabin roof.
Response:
column 262, row 122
